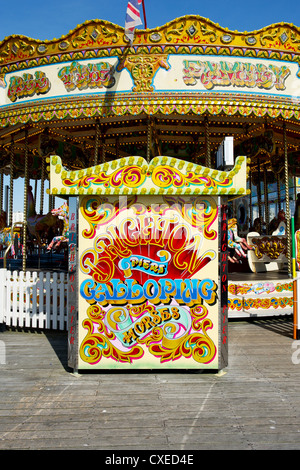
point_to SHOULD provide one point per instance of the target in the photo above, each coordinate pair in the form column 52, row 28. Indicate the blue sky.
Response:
column 48, row 20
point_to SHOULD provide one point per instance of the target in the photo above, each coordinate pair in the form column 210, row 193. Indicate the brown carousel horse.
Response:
column 40, row 226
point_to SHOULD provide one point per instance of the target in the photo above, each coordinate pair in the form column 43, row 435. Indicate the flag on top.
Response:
column 133, row 18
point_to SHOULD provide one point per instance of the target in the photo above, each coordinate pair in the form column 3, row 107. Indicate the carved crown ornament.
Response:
column 189, row 35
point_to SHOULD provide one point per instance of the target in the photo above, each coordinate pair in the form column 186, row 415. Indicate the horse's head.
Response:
column 62, row 211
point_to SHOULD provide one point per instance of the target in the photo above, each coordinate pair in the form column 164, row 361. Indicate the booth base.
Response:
column 260, row 294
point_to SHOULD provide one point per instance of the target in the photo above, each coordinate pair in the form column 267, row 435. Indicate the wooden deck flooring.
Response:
column 253, row 404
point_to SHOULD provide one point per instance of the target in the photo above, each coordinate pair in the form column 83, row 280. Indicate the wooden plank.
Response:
column 254, row 404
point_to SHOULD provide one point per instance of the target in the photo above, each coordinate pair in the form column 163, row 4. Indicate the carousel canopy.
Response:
column 89, row 97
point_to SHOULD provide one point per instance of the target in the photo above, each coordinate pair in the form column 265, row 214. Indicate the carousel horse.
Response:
column 40, row 226
column 5, row 240
column 237, row 246
column 5, row 236
column 60, row 241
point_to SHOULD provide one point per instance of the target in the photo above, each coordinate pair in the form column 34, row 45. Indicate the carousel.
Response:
column 180, row 95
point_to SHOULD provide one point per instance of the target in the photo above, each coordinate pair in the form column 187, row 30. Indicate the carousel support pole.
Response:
column 26, row 181
column 103, row 151
column 42, row 186
column 51, row 202
column 6, row 193
column 96, row 143
column 259, row 199
column 149, row 138
column 156, row 145
column 250, row 201
column 207, row 145
column 35, row 189
column 278, row 191
column 11, row 183
column 266, row 200
column 117, row 147
column 287, row 206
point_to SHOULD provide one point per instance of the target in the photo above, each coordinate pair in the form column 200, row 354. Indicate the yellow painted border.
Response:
column 133, row 175
column 186, row 34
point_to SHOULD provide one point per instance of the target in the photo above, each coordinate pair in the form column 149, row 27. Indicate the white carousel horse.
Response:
column 237, row 246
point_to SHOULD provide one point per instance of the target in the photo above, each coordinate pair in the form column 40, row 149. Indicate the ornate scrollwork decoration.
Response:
column 295, row 39
column 205, row 30
column 4, row 53
column 80, row 38
column 177, row 31
column 110, row 33
column 272, row 247
column 26, row 47
column 268, row 37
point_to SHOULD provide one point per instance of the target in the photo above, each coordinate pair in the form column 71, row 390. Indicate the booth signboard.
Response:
column 172, row 73
column 151, row 268
column 148, row 281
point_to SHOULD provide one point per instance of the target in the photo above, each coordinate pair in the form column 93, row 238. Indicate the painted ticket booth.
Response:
column 148, row 262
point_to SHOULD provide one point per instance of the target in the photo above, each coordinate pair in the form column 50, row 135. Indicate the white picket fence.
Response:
column 33, row 300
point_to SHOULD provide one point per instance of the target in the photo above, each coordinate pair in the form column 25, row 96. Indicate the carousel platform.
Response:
column 259, row 294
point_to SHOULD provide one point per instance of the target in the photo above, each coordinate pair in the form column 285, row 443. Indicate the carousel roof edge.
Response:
column 133, row 175
column 189, row 29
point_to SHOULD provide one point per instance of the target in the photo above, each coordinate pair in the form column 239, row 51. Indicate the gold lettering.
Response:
column 237, row 74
